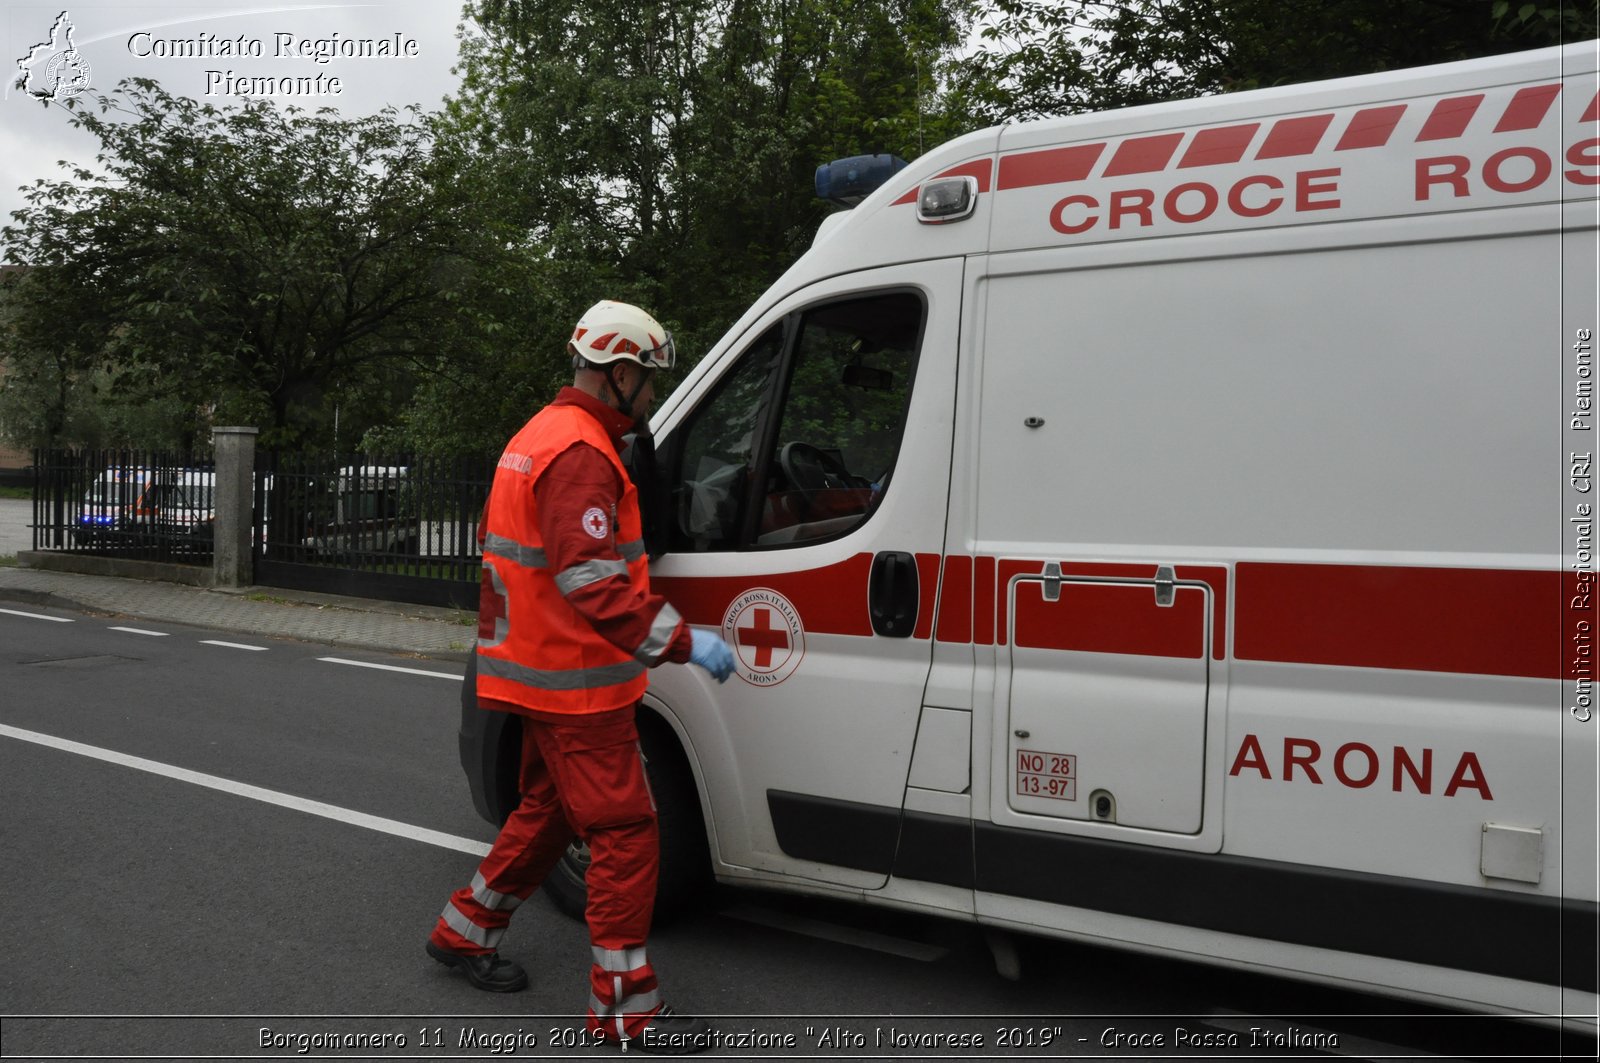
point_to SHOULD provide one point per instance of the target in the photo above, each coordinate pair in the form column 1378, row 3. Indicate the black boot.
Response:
column 670, row 1034
column 486, row 972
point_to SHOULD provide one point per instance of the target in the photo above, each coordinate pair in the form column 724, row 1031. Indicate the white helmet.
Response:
column 610, row 332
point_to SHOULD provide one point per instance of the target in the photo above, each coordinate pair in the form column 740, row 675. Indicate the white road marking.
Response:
column 844, row 935
column 37, row 616
column 391, row 668
column 141, row 631
column 232, row 645
column 255, row 793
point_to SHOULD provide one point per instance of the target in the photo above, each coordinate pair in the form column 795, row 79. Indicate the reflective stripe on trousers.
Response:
column 623, row 994
column 481, row 936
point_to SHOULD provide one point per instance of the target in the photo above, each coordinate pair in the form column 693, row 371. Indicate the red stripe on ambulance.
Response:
column 1143, row 155
column 830, row 600
column 1295, row 136
column 928, row 588
column 1220, row 146
column 1528, row 108
column 1025, row 169
column 1371, row 128
column 1505, row 622
column 1450, row 118
column 1474, row 621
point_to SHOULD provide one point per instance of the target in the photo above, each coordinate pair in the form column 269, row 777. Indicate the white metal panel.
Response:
column 1305, row 401
column 943, row 756
column 1129, row 726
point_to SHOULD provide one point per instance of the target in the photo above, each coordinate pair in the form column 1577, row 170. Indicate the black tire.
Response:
column 685, row 856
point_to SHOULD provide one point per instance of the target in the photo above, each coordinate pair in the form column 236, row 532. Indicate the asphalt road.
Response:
column 169, row 889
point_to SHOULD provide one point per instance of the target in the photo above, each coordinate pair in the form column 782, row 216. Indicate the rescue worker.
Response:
column 567, row 628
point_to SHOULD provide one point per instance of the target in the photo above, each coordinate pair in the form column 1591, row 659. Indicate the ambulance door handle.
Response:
column 892, row 594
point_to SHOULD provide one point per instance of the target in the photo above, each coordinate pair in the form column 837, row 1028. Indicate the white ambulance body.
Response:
column 1187, row 549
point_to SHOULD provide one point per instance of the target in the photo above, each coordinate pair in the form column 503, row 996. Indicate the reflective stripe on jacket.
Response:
column 540, row 652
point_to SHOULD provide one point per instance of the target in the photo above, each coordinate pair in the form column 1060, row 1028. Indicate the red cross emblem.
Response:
column 594, row 522
column 764, row 637
column 767, row 635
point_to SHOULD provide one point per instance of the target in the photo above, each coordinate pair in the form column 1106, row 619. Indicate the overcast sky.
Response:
column 133, row 39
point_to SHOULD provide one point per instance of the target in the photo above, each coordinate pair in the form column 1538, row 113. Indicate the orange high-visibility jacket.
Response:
column 541, row 653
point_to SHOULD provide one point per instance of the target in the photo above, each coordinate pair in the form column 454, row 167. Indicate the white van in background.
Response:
column 169, row 507
column 1169, row 529
column 369, row 514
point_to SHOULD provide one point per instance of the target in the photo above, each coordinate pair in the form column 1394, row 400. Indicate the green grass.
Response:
column 17, row 492
column 8, row 561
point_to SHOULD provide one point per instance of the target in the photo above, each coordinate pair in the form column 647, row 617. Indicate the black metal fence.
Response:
column 149, row 505
column 376, row 526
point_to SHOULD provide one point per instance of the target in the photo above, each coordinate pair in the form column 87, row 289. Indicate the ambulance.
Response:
column 1170, row 529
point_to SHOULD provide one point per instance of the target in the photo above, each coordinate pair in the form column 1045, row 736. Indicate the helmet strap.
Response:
column 623, row 403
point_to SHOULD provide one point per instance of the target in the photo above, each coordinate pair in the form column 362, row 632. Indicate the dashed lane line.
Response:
column 37, row 616
column 232, row 645
column 391, row 668
column 141, row 631
column 254, row 793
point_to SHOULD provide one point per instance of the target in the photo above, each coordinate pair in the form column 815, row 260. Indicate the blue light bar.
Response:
column 849, row 181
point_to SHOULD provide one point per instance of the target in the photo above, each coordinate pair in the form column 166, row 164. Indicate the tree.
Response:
column 663, row 154
column 264, row 261
column 1052, row 57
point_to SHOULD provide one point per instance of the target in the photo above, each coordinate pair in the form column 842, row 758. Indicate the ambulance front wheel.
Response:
column 685, row 857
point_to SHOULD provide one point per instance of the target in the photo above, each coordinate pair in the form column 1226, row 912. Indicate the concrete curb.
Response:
column 320, row 619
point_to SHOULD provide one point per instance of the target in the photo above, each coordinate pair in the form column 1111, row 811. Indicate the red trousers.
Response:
column 586, row 781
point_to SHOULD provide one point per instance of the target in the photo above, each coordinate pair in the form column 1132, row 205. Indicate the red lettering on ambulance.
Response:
column 1308, row 183
column 1454, row 174
column 1250, row 756
column 1423, row 781
column 1585, row 153
column 1237, row 204
column 1497, row 181
column 1208, row 202
column 1358, row 765
column 1469, row 774
column 1134, row 201
column 1306, row 760
column 1058, row 220
column 1341, row 770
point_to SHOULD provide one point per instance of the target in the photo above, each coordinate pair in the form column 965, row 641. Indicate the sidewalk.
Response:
column 358, row 623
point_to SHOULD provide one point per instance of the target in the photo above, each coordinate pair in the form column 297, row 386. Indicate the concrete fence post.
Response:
column 231, row 558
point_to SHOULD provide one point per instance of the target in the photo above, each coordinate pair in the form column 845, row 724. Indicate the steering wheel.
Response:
column 812, row 470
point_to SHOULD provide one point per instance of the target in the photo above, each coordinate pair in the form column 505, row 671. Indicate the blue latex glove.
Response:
column 711, row 653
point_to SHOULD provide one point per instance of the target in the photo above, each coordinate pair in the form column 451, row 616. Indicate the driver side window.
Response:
column 799, row 442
